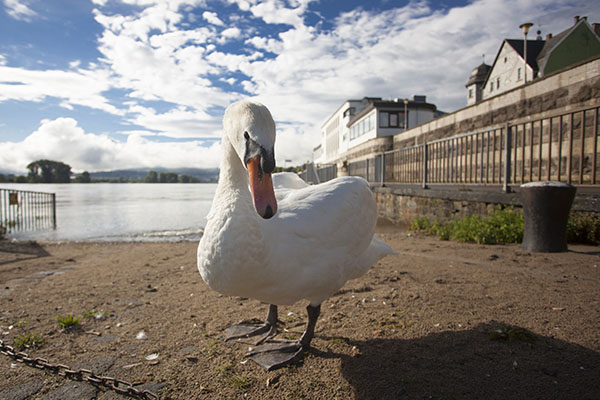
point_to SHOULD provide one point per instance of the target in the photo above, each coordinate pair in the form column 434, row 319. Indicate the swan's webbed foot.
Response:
column 254, row 333
column 274, row 354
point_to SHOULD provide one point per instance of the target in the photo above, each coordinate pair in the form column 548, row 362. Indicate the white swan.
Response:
column 304, row 244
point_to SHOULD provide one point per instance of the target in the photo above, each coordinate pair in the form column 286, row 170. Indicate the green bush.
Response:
column 502, row 226
column 583, row 228
column 505, row 226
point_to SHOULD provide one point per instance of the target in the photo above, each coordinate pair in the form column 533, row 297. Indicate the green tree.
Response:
column 187, row 179
column 48, row 171
column 152, row 177
column 168, row 177
column 84, row 178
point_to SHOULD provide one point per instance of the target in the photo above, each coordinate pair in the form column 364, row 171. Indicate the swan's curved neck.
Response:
column 233, row 177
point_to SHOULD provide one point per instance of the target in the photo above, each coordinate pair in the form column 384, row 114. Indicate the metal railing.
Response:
column 562, row 147
column 314, row 175
column 22, row 210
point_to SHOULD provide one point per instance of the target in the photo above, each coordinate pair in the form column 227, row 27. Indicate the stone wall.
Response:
column 560, row 92
column 402, row 204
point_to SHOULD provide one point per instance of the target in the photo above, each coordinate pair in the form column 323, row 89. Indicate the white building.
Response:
column 358, row 121
column 509, row 69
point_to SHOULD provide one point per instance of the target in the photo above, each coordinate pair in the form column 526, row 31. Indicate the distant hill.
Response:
column 203, row 175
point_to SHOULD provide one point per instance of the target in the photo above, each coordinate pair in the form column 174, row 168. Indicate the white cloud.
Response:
column 177, row 123
column 231, row 33
column 18, row 9
column 276, row 12
column 212, row 18
column 81, row 87
column 63, row 140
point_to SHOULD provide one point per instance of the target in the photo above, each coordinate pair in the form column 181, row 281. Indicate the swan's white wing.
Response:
column 288, row 180
column 318, row 240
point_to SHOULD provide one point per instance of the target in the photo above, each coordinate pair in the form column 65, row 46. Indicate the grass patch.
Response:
column 504, row 225
column 28, row 340
column 68, row 322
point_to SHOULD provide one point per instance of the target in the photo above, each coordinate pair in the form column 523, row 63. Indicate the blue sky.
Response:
column 109, row 84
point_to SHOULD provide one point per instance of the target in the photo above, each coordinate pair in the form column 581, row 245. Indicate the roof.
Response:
column 479, row 74
column 554, row 41
column 534, row 47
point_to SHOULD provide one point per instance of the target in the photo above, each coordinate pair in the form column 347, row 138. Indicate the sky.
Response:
column 113, row 84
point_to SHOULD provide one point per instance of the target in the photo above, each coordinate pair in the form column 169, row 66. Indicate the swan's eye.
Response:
column 246, row 136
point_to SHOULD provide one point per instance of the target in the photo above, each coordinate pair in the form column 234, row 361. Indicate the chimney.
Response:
column 548, row 36
column 596, row 28
column 575, row 19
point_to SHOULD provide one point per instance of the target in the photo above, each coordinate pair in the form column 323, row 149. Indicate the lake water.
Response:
column 124, row 212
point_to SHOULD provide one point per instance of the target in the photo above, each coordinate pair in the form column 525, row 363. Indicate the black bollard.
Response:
column 546, row 207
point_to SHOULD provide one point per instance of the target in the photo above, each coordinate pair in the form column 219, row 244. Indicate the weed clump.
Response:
column 510, row 333
column 68, row 322
column 28, row 340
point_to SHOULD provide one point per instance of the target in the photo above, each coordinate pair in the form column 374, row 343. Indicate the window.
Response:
column 471, row 93
column 497, row 83
column 384, row 119
column 391, row 119
column 505, row 59
column 519, row 74
column 491, row 87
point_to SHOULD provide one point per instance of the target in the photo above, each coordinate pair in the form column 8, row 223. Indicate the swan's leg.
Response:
column 275, row 354
column 255, row 333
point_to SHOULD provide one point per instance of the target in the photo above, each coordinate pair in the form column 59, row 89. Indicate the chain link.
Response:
column 82, row 375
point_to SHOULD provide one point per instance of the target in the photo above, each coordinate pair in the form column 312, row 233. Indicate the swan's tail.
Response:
column 377, row 250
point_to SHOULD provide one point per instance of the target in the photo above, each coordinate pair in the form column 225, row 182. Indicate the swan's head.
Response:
column 251, row 130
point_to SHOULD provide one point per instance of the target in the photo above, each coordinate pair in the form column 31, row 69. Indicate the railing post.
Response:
column 54, row 210
column 425, row 159
column 507, row 159
column 382, row 170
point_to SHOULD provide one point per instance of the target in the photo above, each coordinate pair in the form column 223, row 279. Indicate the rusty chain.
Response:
column 82, row 375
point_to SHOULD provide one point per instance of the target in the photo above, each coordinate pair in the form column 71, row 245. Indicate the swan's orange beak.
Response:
column 261, row 186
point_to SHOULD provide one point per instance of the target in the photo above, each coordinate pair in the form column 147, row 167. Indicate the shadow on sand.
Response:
column 471, row 365
column 20, row 251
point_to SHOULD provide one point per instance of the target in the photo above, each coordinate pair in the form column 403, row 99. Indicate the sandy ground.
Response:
column 419, row 325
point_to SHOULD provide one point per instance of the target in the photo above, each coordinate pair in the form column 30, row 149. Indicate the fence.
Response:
column 22, row 210
column 561, row 147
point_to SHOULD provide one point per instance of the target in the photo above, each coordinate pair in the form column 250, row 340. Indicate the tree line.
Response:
column 48, row 171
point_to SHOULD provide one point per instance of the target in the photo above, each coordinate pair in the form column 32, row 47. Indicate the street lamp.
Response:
column 405, row 114
column 525, row 27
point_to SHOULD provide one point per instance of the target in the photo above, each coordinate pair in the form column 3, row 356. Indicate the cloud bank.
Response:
column 194, row 58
